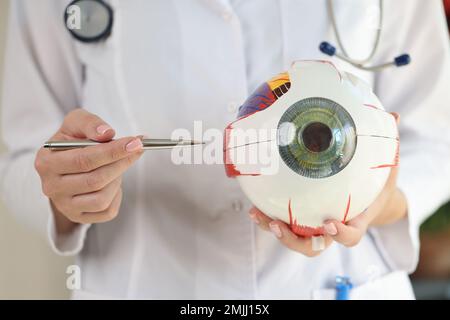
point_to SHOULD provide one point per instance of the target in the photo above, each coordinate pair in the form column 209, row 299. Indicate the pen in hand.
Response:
column 148, row 144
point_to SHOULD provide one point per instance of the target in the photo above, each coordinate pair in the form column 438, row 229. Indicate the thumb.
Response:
column 81, row 124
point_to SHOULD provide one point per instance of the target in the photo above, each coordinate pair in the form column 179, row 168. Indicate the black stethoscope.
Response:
column 92, row 21
column 89, row 20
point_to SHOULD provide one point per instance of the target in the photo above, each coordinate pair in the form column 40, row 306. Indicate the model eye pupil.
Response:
column 316, row 137
column 320, row 140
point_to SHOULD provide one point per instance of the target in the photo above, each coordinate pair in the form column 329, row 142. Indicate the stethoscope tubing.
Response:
column 324, row 47
column 331, row 14
column 362, row 64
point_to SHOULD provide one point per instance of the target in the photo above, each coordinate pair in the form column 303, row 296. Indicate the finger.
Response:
column 396, row 116
column 99, row 200
column 103, row 216
column 76, row 184
column 391, row 182
column 42, row 163
column 264, row 222
column 348, row 235
column 85, row 125
column 392, row 178
column 260, row 218
column 93, row 157
column 303, row 245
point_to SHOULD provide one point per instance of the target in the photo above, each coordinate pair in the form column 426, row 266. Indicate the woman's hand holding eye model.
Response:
column 389, row 206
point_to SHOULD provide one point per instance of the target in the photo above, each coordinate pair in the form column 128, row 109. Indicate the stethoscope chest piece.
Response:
column 89, row 20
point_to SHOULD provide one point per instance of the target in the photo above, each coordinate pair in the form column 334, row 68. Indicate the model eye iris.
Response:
column 316, row 137
column 326, row 137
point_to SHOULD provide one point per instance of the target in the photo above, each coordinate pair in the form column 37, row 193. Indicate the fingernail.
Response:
column 275, row 229
column 102, row 129
column 330, row 228
column 254, row 217
column 134, row 145
column 318, row 243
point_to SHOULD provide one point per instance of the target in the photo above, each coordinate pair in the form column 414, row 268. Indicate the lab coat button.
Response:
column 237, row 205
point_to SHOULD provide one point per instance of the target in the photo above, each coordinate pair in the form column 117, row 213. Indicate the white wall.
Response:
column 28, row 269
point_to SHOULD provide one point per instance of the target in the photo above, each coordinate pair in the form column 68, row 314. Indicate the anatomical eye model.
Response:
column 312, row 144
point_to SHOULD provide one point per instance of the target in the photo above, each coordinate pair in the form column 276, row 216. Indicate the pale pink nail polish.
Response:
column 330, row 228
column 134, row 145
column 102, row 129
column 275, row 229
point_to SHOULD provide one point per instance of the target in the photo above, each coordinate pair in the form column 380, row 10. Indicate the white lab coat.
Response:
column 183, row 230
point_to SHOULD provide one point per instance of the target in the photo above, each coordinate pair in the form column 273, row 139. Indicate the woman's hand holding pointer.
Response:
column 84, row 185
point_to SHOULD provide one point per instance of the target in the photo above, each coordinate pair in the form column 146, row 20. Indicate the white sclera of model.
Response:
column 286, row 195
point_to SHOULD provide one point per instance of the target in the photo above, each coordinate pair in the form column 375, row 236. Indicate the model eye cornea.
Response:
column 325, row 138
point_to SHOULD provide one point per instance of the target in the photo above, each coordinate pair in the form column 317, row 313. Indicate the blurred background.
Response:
column 29, row 270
